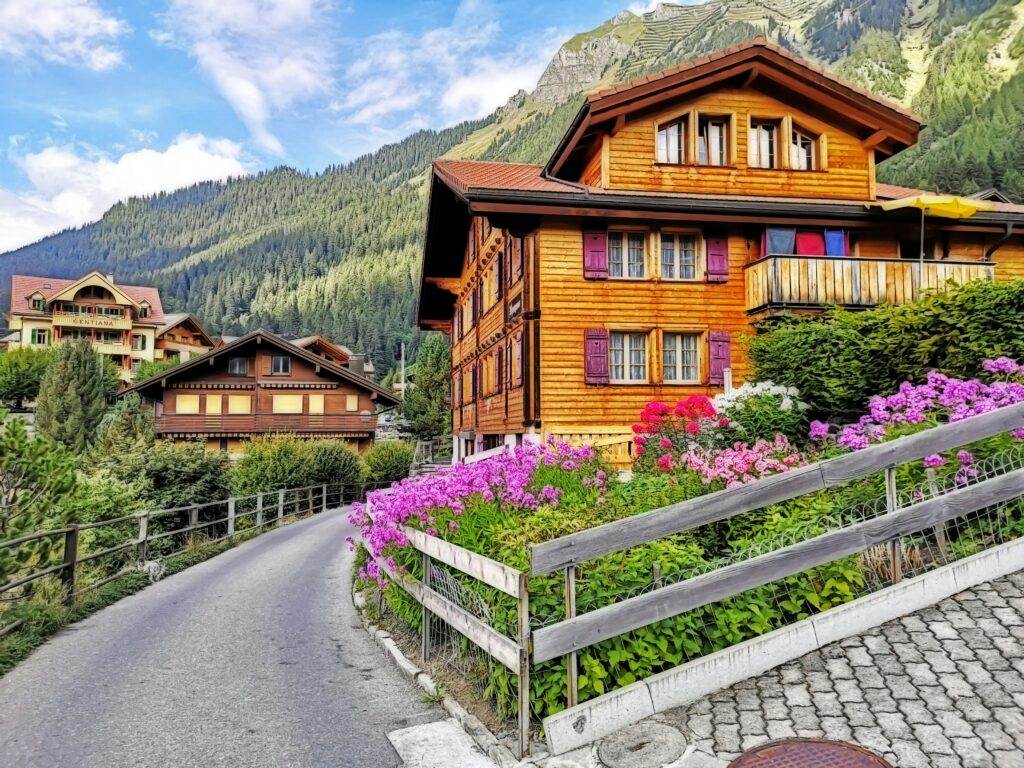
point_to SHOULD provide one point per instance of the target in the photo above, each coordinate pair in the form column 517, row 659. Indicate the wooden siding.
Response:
column 570, row 304
column 848, row 168
column 814, row 281
column 1009, row 260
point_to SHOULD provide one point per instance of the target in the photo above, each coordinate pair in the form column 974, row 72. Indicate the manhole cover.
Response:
column 644, row 745
column 808, row 753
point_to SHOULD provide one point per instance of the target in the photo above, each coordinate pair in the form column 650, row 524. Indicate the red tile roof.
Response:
column 23, row 286
column 463, row 175
column 895, row 192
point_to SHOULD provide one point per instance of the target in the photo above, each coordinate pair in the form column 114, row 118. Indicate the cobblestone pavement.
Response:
column 941, row 688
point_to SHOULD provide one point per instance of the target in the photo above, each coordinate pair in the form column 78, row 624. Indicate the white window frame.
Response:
column 803, row 151
column 245, row 366
column 287, row 367
column 764, row 139
column 626, row 345
column 672, row 343
column 625, row 266
column 674, row 239
column 706, row 149
column 670, row 144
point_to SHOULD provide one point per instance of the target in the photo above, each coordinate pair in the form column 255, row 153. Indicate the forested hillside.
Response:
column 336, row 252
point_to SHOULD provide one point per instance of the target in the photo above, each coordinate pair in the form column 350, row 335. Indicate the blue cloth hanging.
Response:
column 781, row 241
column 835, row 242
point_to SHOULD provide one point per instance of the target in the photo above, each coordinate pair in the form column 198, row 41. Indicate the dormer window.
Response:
column 763, row 143
column 671, row 140
column 143, row 310
column 712, row 140
column 802, row 151
column 38, row 303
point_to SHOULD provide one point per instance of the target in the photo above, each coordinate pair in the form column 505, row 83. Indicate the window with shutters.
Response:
column 713, row 141
column 627, row 254
column 213, row 405
column 287, row 404
column 351, row 403
column 138, row 342
column 316, row 404
column 671, row 141
column 627, row 358
column 762, row 150
column 239, row 404
column 681, row 358
column 186, row 404
column 679, row 256
column 515, row 271
column 42, row 336
column 803, row 148
column 517, row 360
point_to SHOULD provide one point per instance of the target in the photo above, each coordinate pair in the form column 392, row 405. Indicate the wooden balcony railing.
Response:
column 816, row 281
column 82, row 320
column 263, row 422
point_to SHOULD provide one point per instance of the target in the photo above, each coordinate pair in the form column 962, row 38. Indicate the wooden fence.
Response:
column 576, row 632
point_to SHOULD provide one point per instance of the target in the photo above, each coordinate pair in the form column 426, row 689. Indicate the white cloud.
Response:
column 455, row 67
column 69, row 186
column 75, row 32
column 263, row 55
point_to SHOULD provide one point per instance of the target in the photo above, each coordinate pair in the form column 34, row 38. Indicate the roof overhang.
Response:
column 196, row 326
column 93, row 278
column 883, row 127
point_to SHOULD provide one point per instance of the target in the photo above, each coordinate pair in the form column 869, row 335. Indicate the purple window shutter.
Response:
column 595, row 255
column 497, row 370
column 720, row 356
column 718, row 259
column 595, row 343
column 520, row 361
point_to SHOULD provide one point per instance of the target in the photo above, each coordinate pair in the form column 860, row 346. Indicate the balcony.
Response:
column 112, row 348
column 300, row 423
column 811, row 282
column 80, row 320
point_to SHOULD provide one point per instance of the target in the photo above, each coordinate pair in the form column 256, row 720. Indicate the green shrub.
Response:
column 176, row 475
column 335, row 462
column 388, row 461
column 272, row 462
column 840, row 360
column 762, row 411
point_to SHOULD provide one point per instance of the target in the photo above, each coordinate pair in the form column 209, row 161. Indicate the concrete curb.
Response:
column 585, row 723
column 471, row 724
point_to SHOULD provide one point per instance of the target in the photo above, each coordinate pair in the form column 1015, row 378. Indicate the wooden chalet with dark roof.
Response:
column 261, row 384
column 676, row 211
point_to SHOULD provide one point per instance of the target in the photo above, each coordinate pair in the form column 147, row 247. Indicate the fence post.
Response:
column 425, row 619
column 524, row 665
column 323, row 488
column 280, row 507
column 67, row 573
column 259, row 512
column 140, row 547
column 231, row 516
column 193, row 517
column 940, row 529
column 891, row 502
column 309, row 499
column 570, row 613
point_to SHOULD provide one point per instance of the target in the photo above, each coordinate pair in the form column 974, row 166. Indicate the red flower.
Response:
column 665, row 462
column 693, row 427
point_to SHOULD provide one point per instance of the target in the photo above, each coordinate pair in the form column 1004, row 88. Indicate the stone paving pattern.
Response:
column 941, row 688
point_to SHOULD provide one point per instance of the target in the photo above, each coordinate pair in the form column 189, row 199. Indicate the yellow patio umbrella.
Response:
column 943, row 206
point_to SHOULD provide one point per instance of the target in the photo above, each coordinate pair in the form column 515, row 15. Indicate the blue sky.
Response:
column 103, row 99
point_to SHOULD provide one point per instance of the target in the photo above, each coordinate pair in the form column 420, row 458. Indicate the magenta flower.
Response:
column 819, row 431
column 934, row 460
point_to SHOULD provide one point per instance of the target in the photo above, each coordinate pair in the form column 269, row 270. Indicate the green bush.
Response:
column 177, row 475
column 272, row 462
column 335, row 462
column 21, row 372
column 388, row 461
column 840, row 360
column 762, row 411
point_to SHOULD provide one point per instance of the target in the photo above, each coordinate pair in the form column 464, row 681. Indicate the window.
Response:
column 802, row 151
column 517, row 360
column 38, row 303
column 213, row 405
column 238, row 366
column 144, row 310
column 670, row 142
column 186, row 404
column 281, row 365
column 239, row 404
column 316, row 404
column 287, row 404
column 680, row 358
column 678, row 257
column 136, row 364
column 516, row 267
column 351, row 403
column 762, row 145
column 40, row 336
column 626, row 254
column 628, row 353
column 712, row 140
column 138, row 342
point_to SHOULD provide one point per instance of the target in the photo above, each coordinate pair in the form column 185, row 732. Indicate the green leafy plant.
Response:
column 388, row 461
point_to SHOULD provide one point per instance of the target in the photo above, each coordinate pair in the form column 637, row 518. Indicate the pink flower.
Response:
column 665, row 462
column 934, row 460
column 665, row 443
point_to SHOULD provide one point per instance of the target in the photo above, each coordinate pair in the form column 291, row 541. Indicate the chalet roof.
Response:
column 308, row 341
column 24, row 286
column 758, row 63
column 260, row 335
column 464, row 175
column 174, row 319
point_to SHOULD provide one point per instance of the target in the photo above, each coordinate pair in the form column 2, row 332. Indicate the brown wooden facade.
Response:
column 263, row 384
column 629, row 268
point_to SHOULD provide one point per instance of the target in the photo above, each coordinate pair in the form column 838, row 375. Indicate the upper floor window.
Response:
column 680, row 358
column 627, row 358
column 40, row 336
column 712, row 141
column 144, row 310
column 138, row 342
column 626, row 254
column 802, row 151
column 287, row 404
column 281, row 365
column 238, row 366
column 763, row 141
column 671, row 142
column 38, row 303
column 678, row 257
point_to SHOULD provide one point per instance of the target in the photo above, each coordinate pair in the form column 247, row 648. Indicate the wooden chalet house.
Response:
column 119, row 321
column 182, row 337
column 261, row 384
column 676, row 211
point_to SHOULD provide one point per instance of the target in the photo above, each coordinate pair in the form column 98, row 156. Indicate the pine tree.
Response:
column 72, row 397
column 126, row 429
column 428, row 404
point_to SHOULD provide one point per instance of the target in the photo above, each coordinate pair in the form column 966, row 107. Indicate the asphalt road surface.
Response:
column 253, row 658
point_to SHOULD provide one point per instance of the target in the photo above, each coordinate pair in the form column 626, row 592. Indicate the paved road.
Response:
column 254, row 658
